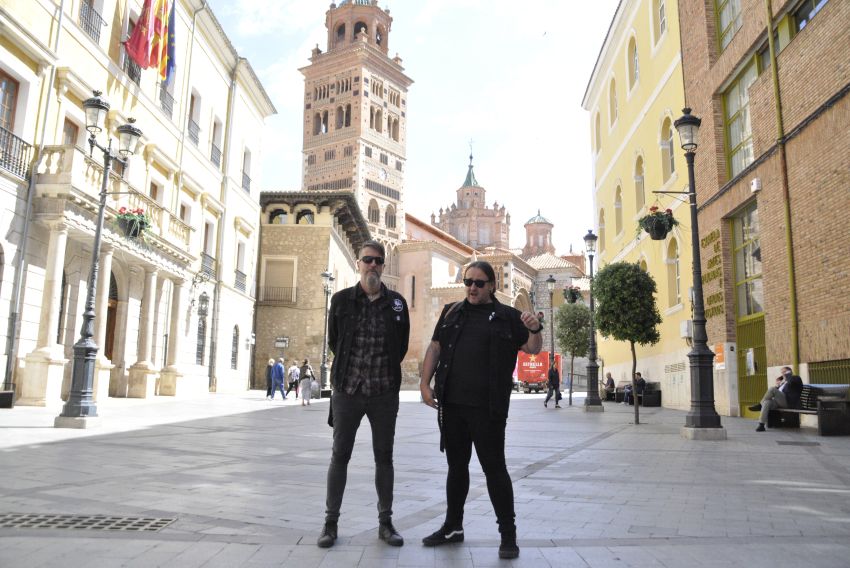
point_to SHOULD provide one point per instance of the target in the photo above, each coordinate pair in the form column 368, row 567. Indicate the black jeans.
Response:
column 348, row 412
column 465, row 426
column 556, row 391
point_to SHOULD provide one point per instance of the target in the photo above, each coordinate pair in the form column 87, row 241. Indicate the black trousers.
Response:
column 348, row 412
column 465, row 427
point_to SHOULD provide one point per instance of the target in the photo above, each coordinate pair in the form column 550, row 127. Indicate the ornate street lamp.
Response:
column 702, row 421
column 592, row 403
column 80, row 406
column 327, row 284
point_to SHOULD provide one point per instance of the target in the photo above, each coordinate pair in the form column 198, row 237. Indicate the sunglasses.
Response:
column 478, row 283
column 379, row 260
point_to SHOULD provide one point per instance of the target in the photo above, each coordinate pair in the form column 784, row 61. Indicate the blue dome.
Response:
column 539, row 219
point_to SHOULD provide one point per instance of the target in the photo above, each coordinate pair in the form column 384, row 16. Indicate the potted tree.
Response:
column 572, row 294
column 133, row 222
column 657, row 223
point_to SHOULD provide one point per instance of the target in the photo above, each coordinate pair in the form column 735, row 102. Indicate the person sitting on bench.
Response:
column 609, row 386
column 640, row 385
column 786, row 394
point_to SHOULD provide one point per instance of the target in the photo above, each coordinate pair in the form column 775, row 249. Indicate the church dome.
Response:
column 360, row 2
column 539, row 219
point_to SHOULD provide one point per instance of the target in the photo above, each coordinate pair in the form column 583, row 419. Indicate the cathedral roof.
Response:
column 470, row 180
column 548, row 260
column 539, row 219
column 361, row 2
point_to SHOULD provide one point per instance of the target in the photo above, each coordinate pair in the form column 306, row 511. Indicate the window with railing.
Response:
column 90, row 20
column 246, row 182
column 166, row 100
column 240, row 281
column 215, row 155
column 194, row 132
column 132, row 69
column 15, row 154
column 278, row 294
column 207, row 264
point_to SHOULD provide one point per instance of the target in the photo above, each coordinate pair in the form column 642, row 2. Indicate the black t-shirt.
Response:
column 469, row 380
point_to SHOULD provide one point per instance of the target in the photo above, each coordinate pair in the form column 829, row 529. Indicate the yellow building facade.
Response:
column 633, row 96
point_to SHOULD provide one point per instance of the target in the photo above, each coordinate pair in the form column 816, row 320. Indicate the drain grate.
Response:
column 90, row 522
column 798, row 443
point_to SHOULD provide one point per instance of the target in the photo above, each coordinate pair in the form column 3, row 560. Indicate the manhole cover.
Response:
column 798, row 443
column 91, row 522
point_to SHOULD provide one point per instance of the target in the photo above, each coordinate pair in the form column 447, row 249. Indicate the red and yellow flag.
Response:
column 148, row 43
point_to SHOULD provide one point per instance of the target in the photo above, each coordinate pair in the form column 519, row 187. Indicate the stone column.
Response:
column 45, row 366
column 103, row 366
column 142, row 374
column 171, row 375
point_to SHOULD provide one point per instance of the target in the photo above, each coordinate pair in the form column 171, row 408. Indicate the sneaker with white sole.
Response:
column 445, row 535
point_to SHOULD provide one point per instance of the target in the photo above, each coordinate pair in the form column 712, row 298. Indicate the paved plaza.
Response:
column 237, row 480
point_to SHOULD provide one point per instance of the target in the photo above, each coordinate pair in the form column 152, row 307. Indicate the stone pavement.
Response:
column 243, row 480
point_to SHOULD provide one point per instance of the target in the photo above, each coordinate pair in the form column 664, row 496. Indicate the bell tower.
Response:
column 355, row 118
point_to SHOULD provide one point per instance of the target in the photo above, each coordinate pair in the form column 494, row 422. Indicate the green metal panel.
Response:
column 751, row 387
column 830, row 372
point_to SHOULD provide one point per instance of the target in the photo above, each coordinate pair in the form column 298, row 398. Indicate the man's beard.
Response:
column 373, row 280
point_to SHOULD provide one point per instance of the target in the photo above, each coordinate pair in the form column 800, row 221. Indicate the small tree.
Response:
column 572, row 331
column 626, row 309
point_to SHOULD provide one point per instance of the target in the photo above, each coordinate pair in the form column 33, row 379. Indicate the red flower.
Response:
column 654, row 208
column 122, row 210
column 668, row 211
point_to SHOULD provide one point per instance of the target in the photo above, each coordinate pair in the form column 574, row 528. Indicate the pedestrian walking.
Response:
column 306, row 382
column 368, row 332
column 554, row 385
column 278, row 373
column 294, row 375
column 293, row 378
column 473, row 351
column 269, row 379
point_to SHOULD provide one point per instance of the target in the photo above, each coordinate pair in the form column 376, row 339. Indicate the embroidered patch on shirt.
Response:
column 397, row 305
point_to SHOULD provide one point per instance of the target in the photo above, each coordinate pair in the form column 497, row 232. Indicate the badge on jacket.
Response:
column 397, row 305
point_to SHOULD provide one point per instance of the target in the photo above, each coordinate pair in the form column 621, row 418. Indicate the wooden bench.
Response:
column 829, row 403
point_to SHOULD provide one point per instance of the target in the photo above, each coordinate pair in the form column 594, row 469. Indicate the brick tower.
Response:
column 355, row 123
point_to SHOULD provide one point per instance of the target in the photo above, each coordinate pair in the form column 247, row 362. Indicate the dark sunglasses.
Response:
column 478, row 283
column 379, row 260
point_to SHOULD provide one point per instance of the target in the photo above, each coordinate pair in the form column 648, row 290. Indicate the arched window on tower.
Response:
column 278, row 217
column 374, row 212
column 360, row 27
column 340, row 117
column 305, row 217
column 340, row 34
column 348, row 115
column 389, row 216
column 325, row 122
column 317, row 124
column 379, row 37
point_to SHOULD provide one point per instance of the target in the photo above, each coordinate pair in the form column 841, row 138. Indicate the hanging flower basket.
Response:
column 657, row 223
column 572, row 294
column 133, row 222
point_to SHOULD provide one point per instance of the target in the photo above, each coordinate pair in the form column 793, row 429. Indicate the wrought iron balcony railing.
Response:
column 91, row 21
column 166, row 100
column 132, row 69
column 246, row 182
column 207, row 265
column 215, row 155
column 194, row 132
column 240, row 281
column 278, row 294
column 15, row 154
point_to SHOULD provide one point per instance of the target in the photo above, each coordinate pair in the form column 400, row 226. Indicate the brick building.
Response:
column 772, row 173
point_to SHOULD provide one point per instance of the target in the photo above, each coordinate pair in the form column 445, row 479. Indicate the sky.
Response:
column 508, row 76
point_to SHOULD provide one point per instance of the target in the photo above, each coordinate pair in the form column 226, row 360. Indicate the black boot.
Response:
column 508, row 548
column 387, row 533
column 328, row 536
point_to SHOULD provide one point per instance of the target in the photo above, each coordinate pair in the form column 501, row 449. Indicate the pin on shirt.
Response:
column 492, row 315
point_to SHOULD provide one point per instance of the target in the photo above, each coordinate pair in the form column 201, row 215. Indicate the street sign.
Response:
column 281, row 342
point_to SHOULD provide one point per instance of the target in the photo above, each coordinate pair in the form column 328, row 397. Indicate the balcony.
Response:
column 207, row 265
column 215, row 155
column 132, row 69
column 194, row 132
column 278, row 295
column 15, row 154
column 91, row 21
column 240, row 281
column 166, row 101
column 246, row 182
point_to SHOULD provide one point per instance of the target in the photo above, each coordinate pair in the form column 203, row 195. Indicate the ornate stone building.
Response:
column 470, row 221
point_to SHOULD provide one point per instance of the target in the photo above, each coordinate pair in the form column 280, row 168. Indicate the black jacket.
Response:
column 507, row 335
column 342, row 323
column 793, row 391
column 554, row 378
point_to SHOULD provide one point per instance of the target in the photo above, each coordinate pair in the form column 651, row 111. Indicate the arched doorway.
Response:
column 111, row 316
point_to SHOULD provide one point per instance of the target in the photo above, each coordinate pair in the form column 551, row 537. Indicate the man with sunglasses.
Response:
column 473, row 352
column 368, row 331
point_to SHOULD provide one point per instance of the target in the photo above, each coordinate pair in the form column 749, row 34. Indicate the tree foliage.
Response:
column 625, row 304
column 626, row 309
column 572, row 329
